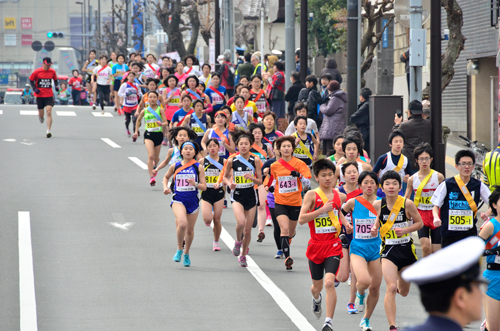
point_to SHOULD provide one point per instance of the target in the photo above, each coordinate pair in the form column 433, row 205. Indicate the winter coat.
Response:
column 416, row 130
column 334, row 119
column 312, row 97
column 362, row 120
column 331, row 68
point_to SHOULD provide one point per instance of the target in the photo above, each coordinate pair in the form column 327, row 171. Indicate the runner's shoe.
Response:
column 216, row 246
column 349, row 280
column 152, row 181
column 187, row 261
column 483, row 326
column 134, row 139
column 365, row 324
column 316, row 307
column 128, row 134
column 269, row 221
column 165, row 141
column 237, row 248
column 225, row 203
column 279, row 255
column 102, row 112
column 393, row 328
column 261, row 236
column 178, row 255
column 351, row 308
column 93, row 107
column 327, row 326
column 41, row 119
column 288, row 263
column 243, row 261
column 49, row 134
column 360, row 301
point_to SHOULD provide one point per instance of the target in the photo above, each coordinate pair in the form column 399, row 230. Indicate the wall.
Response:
column 278, row 29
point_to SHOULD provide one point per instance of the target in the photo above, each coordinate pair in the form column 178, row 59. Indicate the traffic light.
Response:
column 52, row 34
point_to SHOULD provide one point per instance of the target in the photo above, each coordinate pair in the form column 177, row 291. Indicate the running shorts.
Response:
column 434, row 234
column 156, row 137
column 43, row 102
column 103, row 88
column 448, row 240
column 401, row 255
column 329, row 265
column 292, row 212
column 246, row 197
column 212, row 195
column 318, row 251
column 427, row 218
column 116, row 85
column 370, row 250
column 494, row 286
column 191, row 205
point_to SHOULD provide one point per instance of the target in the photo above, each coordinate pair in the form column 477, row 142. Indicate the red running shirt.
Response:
column 43, row 81
column 321, row 228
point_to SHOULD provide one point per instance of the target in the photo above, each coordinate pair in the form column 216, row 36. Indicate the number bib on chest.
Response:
column 261, row 106
column 152, row 126
column 45, row 83
column 363, row 227
column 197, row 129
column 174, row 102
column 240, row 180
column 392, row 239
column 131, row 98
column 300, row 153
column 211, row 176
column 222, row 149
column 324, row 224
column 217, row 99
column 288, row 184
column 182, row 184
column 425, row 200
column 497, row 259
column 460, row 220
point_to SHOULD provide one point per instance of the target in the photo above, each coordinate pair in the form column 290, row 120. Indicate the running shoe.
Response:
column 269, row 221
column 393, row 328
column 261, row 236
column 336, row 282
column 165, row 141
column 128, row 134
column 178, row 255
column 349, row 280
column 365, row 324
column 41, row 119
column 483, row 326
column 116, row 110
column 225, row 203
column 351, row 308
column 216, row 246
column 93, row 107
column 152, row 181
column 316, row 307
column 327, row 326
column 187, row 261
column 360, row 301
column 243, row 261
column 288, row 263
column 237, row 248
column 49, row 134
column 134, row 139
column 279, row 255
column 102, row 112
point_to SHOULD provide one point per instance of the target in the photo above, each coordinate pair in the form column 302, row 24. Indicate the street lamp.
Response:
column 83, row 37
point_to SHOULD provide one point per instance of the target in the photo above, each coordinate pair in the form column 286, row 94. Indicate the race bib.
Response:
column 131, row 98
column 249, row 111
column 392, row 239
column 45, row 83
column 497, row 259
column 217, row 99
column 261, row 106
column 363, row 227
column 240, row 180
column 197, row 129
column 222, row 149
column 300, row 153
column 174, row 101
column 211, row 177
column 152, row 126
column 288, row 184
column 460, row 220
column 425, row 200
column 182, row 184
column 324, row 224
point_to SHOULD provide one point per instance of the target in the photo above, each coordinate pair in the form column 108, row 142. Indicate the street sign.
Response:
column 49, row 46
column 9, row 40
column 402, row 11
column 36, row 46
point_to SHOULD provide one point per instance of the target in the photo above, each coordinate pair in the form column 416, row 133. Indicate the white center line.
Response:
column 28, row 112
column 110, row 143
column 138, row 162
column 1, row 112
column 278, row 295
column 100, row 114
column 28, row 319
column 65, row 113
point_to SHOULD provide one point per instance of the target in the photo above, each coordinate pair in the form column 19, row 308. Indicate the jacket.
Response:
column 331, row 68
column 437, row 323
column 334, row 111
column 292, row 95
column 362, row 120
column 244, row 69
column 416, row 130
column 312, row 97
column 226, row 71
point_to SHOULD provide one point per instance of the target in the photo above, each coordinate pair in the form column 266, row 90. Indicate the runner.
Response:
column 398, row 252
column 455, row 201
column 351, row 147
column 206, row 77
column 191, row 60
column 179, row 73
column 324, row 249
column 153, row 136
column 151, row 67
column 89, row 67
column 249, row 106
column 212, row 199
column 490, row 233
column 41, row 83
column 152, row 86
column 171, row 98
column 217, row 94
column 188, row 177
column 131, row 93
column 198, row 121
column 258, row 95
column 271, row 134
column 337, row 147
column 230, row 125
column 221, row 133
column 194, row 93
column 118, row 70
column 365, row 246
column 242, row 173
column 240, row 118
column 307, row 146
column 291, row 175
column 140, row 77
column 163, row 74
column 311, row 128
column 102, row 76
column 111, row 63
column 179, row 135
column 263, row 152
column 424, row 183
column 179, row 115
column 76, row 87
column 237, row 90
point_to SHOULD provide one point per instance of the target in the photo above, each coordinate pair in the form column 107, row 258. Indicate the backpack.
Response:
column 230, row 74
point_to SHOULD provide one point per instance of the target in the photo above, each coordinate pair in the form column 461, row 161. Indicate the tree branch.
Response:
column 455, row 43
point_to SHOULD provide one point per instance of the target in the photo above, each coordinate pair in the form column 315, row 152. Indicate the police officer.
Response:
column 449, row 284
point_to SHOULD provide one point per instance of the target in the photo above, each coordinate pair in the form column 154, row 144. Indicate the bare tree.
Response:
column 115, row 41
column 456, row 42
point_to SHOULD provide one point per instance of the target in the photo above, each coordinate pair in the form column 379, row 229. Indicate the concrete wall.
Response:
column 278, row 29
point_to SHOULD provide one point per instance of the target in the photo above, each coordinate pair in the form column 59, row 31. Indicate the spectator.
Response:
column 297, row 62
column 325, row 80
column 278, row 94
column 331, row 68
column 311, row 96
column 405, row 58
column 245, row 69
column 426, row 105
column 292, row 95
column 311, row 127
column 226, row 72
column 416, row 129
column 255, row 60
column 334, row 111
column 362, row 117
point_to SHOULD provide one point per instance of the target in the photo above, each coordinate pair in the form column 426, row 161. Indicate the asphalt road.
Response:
column 102, row 242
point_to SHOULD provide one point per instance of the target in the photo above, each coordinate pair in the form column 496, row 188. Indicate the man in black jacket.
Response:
column 311, row 96
column 292, row 95
column 362, row 117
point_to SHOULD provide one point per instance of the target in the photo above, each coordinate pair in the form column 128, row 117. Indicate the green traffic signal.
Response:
column 52, row 34
column 49, row 34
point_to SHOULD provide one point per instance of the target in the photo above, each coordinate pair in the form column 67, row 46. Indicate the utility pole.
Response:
column 417, row 49
column 435, row 89
column 289, row 41
column 129, row 22
column 352, row 56
column 262, row 16
column 113, row 16
column 303, row 40
column 217, row 30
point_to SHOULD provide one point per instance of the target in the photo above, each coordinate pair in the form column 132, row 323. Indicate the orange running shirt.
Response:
column 288, row 189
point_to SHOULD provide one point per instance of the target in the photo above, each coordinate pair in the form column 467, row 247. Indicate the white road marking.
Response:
column 28, row 112
column 11, row 140
column 139, row 162
column 125, row 226
column 1, row 112
column 100, row 114
column 65, row 113
column 110, row 143
column 28, row 319
column 25, row 143
column 278, row 295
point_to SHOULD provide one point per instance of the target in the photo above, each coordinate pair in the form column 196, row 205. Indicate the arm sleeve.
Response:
column 380, row 163
column 121, row 91
column 484, row 192
column 439, row 195
column 408, row 168
column 289, row 129
column 32, row 83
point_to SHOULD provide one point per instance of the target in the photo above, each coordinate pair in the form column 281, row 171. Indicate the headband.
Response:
column 220, row 112
column 188, row 143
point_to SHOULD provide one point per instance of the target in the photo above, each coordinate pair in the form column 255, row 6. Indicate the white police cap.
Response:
column 446, row 263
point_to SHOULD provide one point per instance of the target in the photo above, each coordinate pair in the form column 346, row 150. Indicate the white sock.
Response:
column 318, row 300
column 216, row 242
column 328, row 320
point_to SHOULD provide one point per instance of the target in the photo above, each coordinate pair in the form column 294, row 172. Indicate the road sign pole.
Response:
column 417, row 49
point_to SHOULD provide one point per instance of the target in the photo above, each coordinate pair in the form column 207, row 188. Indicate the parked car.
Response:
column 13, row 96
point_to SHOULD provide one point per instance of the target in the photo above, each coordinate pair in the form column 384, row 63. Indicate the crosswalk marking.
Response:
column 100, row 114
column 1, row 112
column 65, row 113
column 28, row 112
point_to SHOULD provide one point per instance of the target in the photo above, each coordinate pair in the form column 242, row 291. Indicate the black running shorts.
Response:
column 44, row 102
